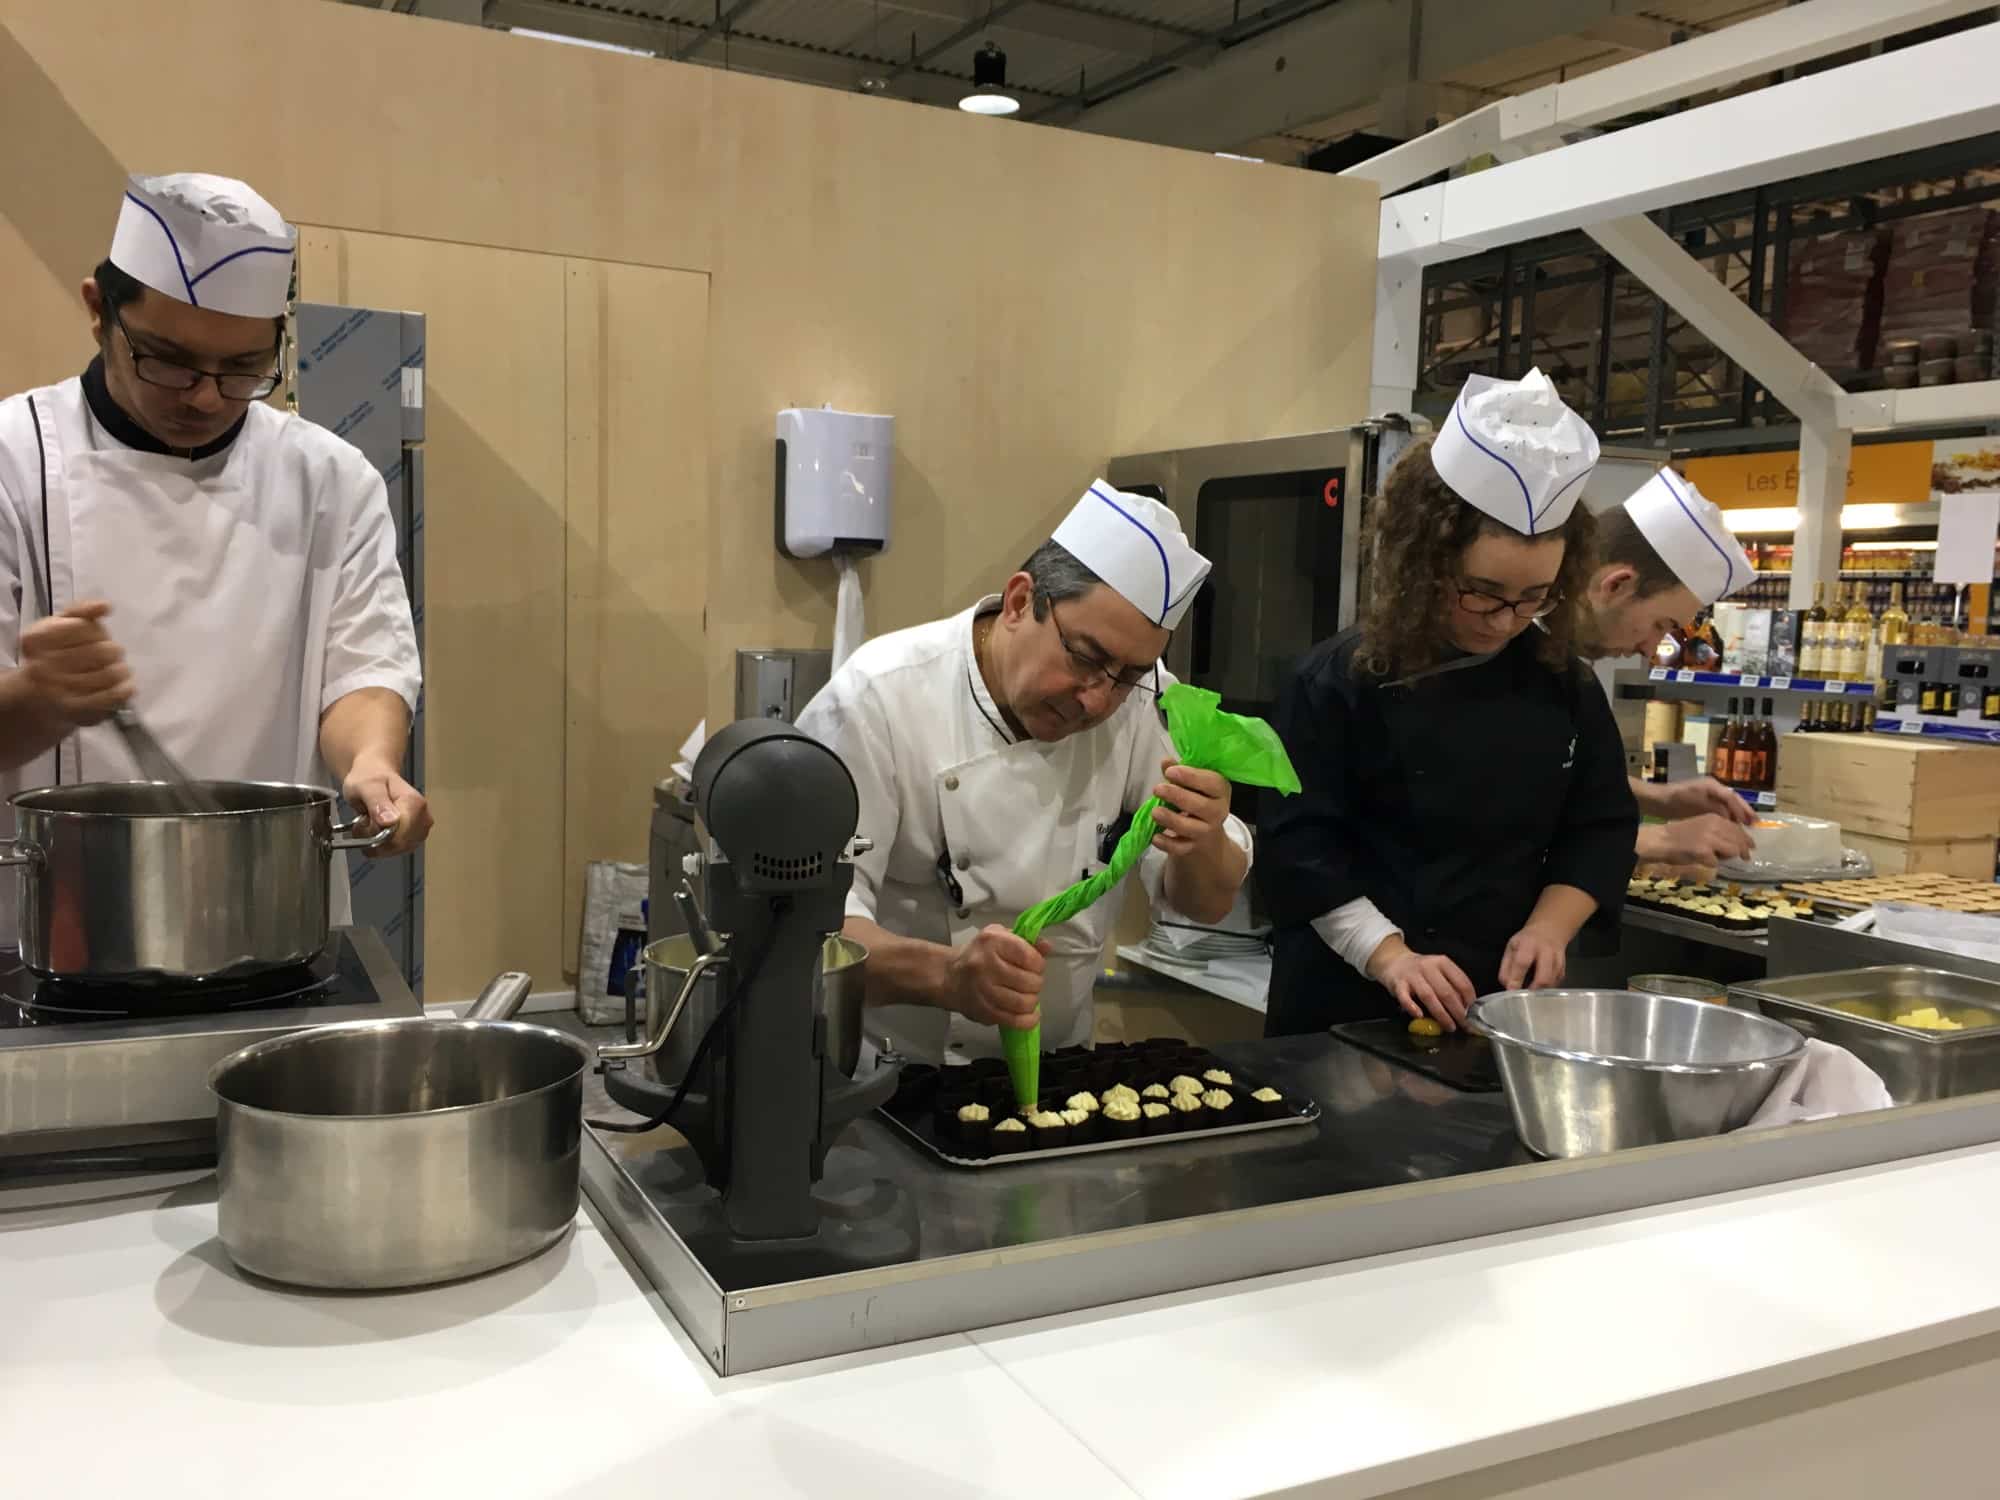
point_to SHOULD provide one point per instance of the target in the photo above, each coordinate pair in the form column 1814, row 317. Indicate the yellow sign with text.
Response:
column 1879, row 474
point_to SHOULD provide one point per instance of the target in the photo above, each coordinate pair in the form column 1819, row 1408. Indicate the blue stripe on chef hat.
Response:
column 1527, row 504
column 1673, row 483
column 1167, row 600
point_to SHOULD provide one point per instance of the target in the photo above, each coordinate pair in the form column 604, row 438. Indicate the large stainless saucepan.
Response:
column 377, row 1154
column 122, row 883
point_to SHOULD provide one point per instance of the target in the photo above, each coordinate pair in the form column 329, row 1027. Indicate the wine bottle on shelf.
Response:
column 1858, row 628
column 1722, row 759
column 1812, row 635
column 1767, row 750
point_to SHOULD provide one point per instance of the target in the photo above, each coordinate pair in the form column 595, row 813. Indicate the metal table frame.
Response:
column 758, row 1327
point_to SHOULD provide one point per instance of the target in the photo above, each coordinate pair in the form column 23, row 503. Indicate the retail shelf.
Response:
column 1972, row 734
column 1682, row 677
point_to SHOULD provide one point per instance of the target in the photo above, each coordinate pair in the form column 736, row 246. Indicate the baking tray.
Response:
column 911, row 1111
column 1307, row 1113
column 1852, row 1008
column 1457, row 1059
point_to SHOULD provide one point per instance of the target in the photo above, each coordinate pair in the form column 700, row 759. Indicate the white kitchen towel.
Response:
column 1824, row 1082
column 847, row 628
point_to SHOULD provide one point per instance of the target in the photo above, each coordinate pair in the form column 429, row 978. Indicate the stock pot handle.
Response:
column 343, row 836
column 19, row 852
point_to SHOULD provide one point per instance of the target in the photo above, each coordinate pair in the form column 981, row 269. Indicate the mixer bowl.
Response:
column 1590, row 1071
column 843, row 981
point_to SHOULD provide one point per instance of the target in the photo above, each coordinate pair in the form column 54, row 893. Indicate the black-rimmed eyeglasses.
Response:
column 1088, row 670
column 172, row 376
column 1478, row 602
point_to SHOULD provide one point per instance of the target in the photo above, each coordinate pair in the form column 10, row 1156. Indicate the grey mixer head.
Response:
column 781, row 807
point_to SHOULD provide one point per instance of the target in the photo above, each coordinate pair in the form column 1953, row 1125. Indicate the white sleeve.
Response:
column 1355, row 931
column 847, row 718
column 371, row 640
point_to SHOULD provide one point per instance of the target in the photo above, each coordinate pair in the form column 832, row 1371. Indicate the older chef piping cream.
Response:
column 998, row 754
column 170, row 540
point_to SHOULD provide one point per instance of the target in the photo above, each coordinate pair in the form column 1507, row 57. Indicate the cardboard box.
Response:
column 1781, row 658
column 1729, row 623
column 1890, row 787
column 1702, row 732
column 1968, row 859
column 1756, row 642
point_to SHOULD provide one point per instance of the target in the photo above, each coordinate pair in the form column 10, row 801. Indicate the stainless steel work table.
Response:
column 1395, row 1162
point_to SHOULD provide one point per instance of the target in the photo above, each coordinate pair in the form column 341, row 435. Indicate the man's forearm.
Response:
column 901, row 970
column 28, row 727
column 1652, row 845
column 1651, row 797
column 1563, row 909
column 1203, row 884
column 369, row 724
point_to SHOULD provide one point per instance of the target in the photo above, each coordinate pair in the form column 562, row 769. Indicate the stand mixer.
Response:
column 780, row 1070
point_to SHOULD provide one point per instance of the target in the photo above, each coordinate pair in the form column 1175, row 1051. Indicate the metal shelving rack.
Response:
column 1629, row 362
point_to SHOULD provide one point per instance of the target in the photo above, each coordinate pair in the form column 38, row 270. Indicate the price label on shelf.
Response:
column 1746, row 680
column 1684, row 676
column 1781, row 683
column 1833, row 687
column 1911, row 726
column 1658, row 674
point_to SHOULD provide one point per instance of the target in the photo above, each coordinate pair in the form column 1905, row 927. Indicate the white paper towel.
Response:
column 1825, row 1081
column 847, row 627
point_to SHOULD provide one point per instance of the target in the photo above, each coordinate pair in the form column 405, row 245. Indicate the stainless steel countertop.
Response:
column 1380, row 1126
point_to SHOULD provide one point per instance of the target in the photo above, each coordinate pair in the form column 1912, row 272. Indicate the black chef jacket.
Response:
column 1450, row 802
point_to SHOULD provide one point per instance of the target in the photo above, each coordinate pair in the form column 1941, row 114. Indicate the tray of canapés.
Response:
column 1108, row 1098
column 1945, row 892
column 1727, row 905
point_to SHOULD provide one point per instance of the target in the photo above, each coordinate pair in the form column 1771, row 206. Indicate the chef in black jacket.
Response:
column 1465, row 811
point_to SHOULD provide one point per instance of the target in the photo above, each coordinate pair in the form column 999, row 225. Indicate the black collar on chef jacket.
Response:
column 113, row 419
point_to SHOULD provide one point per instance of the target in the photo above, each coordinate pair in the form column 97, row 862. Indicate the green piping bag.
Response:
column 1246, row 750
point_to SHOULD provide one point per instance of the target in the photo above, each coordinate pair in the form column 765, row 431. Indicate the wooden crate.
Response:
column 1969, row 859
column 1891, row 787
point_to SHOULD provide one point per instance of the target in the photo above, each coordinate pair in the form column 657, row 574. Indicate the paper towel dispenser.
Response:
column 833, row 477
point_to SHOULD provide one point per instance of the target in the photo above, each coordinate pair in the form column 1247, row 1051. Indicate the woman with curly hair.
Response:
column 1465, row 809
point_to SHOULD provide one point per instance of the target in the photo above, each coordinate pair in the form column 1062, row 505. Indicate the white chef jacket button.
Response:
column 964, row 862
column 964, row 912
column 951, row 783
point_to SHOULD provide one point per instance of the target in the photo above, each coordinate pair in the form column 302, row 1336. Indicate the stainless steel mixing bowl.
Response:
column 1589, row 1071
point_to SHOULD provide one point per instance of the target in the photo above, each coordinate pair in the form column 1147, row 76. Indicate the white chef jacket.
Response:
column 941, row 780
column 250, row 589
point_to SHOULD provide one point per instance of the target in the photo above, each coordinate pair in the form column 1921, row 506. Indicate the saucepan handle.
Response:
column 653, row 1043
column 501, row 998
column 20, row 852
column 343, row 836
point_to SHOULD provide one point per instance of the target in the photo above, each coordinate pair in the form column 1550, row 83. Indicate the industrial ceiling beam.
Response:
column 1904, row 100
column 724, row 22
column 995, row 12
column 762, row 56
column 1056, row 22
column 1330, row 59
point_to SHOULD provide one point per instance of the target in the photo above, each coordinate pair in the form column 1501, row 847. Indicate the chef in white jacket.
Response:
column 168, row 539
column 998, row 755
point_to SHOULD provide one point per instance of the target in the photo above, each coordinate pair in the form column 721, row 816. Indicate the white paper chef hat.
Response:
column 1136, row 545
column 1511, row 448
column 209, row 241
column 1686, row 529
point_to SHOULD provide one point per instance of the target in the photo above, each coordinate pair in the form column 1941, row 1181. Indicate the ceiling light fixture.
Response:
column 578, row 41
column 989, row 94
